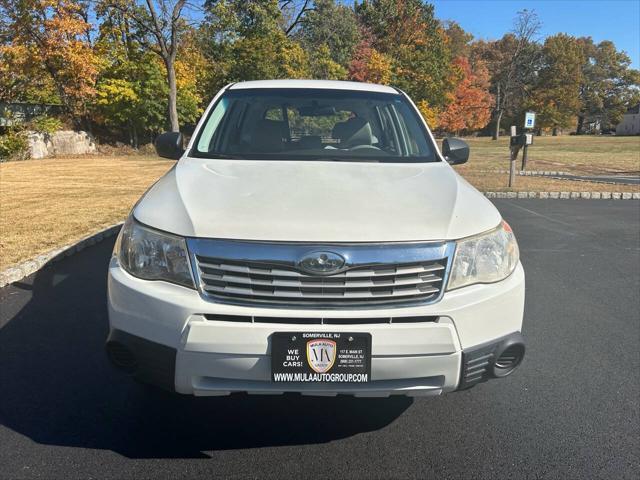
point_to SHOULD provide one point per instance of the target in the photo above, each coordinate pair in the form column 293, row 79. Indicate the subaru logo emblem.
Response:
column 321, row 263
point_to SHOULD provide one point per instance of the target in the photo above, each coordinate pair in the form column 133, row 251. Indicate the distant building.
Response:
column 630, row 124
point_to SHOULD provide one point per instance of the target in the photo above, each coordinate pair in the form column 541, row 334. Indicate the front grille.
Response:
column 264, row 282
column 374, row 274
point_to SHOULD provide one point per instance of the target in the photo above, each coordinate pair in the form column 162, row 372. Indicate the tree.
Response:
column 333, row 25
column 557, row 94
column 513, row 63
column 368, row 64
column 323, row 66
column 471, row 105
column 459, row 40
column 162, row 26
column 407, row 32
column 244, row 40
column 608, row 85
column 48, row 43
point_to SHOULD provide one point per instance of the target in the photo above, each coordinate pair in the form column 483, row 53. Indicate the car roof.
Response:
column 323, row 84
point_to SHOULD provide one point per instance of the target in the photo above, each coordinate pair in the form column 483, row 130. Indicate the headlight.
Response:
column 485, row 258
column 152, row 255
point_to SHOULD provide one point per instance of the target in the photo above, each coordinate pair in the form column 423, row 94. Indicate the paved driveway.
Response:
column 572, row 411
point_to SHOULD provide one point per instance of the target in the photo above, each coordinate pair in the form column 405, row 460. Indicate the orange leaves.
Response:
column 470, row 107
column 370, row 65
column 53, row 34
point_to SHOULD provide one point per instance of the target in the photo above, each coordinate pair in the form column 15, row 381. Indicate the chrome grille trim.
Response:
column 266, row 274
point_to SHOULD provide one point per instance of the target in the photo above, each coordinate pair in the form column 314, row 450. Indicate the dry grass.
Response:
column 497, row 182
column 575, row 154
column 45, row 204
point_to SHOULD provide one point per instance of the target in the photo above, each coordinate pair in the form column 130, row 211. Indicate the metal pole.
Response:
column 512, row 159
column 524, row 157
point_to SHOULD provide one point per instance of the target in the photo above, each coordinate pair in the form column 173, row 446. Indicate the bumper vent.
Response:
column 320, row 321
column 494, row 360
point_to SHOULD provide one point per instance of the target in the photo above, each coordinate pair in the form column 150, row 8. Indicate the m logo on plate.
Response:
column 321, row 354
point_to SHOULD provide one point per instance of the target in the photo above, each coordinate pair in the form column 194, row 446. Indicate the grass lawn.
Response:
column 574, row 154
column 45, row 204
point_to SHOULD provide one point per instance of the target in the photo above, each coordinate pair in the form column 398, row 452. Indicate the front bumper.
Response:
column 172, row 329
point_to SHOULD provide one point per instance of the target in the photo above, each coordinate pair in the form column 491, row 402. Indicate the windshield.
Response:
column 305, row 124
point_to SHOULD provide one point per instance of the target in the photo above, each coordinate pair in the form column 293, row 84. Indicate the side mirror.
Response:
column 169, row 145
column 455, row 151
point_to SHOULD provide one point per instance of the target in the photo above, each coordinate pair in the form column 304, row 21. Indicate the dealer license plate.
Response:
column 309, row 357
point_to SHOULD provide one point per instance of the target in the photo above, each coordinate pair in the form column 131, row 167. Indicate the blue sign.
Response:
column 529, row 120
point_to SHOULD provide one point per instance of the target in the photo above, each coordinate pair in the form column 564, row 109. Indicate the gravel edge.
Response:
column 24, row 269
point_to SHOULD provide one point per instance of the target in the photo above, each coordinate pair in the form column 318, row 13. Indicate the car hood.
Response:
column 313, row 201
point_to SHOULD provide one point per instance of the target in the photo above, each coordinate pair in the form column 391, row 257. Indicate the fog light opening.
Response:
column 508, row 359
column 121, row 357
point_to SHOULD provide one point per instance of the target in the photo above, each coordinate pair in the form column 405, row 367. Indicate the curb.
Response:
column 24, row 269
column 567, row 195
column 555, row 176
column 530, row 173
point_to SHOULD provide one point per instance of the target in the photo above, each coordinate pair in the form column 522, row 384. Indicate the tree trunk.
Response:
column 173, row 95
column 496, row 131
column 580, row 125
column 554, row 132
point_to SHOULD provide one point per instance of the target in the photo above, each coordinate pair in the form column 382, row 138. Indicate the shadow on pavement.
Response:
column 57, row 387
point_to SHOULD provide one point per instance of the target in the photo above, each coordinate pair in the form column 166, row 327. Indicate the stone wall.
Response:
column 65, row 142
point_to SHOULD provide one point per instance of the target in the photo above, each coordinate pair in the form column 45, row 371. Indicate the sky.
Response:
column 615, row 20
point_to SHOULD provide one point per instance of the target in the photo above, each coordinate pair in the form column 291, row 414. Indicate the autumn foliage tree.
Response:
column 471, row 103
column 50, row 38
column 368, row 64
column 407, row 33
column 127, row 69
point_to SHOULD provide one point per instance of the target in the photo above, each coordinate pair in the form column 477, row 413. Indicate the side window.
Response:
column 204, row 144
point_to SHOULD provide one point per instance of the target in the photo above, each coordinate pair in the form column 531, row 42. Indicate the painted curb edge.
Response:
column 31, row 266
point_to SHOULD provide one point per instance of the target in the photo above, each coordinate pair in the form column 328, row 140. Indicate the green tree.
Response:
column 323, row 66
column 513, row 62
column 331, row 24
column 459, row 40
column 609, row 86
column 244, row 40
column 161, row 26
column 556, row 98
column 132, row 90
column 408, row 33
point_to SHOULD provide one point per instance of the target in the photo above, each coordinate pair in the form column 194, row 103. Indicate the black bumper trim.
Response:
column 478, row 362
column 154, row 363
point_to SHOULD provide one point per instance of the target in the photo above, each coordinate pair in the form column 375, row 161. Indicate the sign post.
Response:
column 529, row 124
column 514, row 148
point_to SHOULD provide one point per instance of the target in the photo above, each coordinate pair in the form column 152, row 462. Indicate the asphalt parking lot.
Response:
column 571, row 411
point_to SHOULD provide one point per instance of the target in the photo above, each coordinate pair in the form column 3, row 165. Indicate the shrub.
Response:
column 13, row 146
column 45, row 124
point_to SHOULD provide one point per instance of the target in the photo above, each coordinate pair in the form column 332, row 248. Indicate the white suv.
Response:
column 312, row 238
